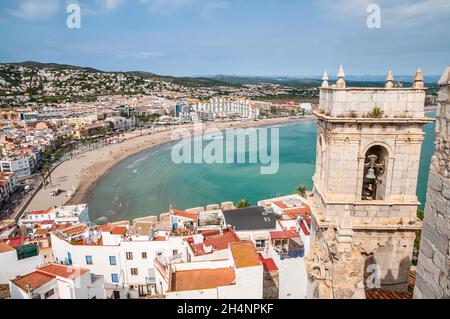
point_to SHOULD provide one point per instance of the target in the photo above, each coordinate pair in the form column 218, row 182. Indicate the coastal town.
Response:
column 308, row 244
column 45, row 223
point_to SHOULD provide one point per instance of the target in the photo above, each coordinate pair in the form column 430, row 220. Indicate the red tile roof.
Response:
column 304, row 228
column 120, row 230
column 280, row 204
column 213, row 239
column 63, row 271
column 284, row 234
column 33, row 280
column 5, row 248
column 184, row 214
column 268, row 263
column 244, row 254
column 72, row 230
column 199, row 279
column 41, row 212
column 386, row 294
column 16, row 242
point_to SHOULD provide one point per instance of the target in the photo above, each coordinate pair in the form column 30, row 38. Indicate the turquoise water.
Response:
column 149, row 182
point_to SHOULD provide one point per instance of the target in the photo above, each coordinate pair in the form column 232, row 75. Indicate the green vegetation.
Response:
column 243, row 203
column 301, row 190
column 148, row 118
column 420, row 215
column 375, row 113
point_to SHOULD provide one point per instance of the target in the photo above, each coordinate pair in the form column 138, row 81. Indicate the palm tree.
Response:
column 301, row 190
column 243, row 203
column 47, row 173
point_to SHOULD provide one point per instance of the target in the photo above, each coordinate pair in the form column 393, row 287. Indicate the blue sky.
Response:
column 244, row 37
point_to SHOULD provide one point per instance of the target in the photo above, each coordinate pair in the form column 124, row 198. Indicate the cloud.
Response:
column 142, row 55
column 399, row 13
column 210, row 9
column 164, row 6
column 35, row 9
column 110, row 4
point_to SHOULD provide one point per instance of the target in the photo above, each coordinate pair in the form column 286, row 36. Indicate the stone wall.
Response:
column 271, row 284
column 433, row 269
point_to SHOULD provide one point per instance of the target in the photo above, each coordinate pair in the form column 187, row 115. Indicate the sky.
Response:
column 233, row 37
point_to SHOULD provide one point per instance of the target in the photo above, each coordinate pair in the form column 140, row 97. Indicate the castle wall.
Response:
column 433, row 269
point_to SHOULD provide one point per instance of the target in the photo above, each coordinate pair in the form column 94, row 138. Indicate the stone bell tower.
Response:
column 364, row 201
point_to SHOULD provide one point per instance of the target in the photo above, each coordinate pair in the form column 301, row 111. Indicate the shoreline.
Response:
column 84, row 171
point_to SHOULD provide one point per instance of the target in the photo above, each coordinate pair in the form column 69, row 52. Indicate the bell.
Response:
column 371, row 174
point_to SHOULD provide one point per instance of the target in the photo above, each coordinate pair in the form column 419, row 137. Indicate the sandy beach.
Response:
column 83, row 171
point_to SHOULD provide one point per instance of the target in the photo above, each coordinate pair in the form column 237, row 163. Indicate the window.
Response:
column 144, row 255
column 260, row 243
column 175, row 252
column 159, row 254
column 114, row 277
column 49, row 293
column 134, row 271
column 112, row 260
column 89, row 260
column 129, row 256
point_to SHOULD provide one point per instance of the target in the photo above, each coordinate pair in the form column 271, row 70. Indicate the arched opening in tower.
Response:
column 375, row 169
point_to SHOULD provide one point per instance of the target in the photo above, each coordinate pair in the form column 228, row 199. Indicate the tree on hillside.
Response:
column 243, row 203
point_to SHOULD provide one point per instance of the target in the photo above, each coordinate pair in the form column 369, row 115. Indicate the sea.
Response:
column 151, row 182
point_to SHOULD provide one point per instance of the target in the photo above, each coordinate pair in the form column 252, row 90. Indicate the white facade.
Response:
column 78, row 284
column 20, row 165
column 127, row 263
column 73, row 214
column 11, row 266
column 227, row 107
column 246, row 283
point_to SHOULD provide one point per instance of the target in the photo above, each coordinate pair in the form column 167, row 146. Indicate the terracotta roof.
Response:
column 33, row 280
column 40, row 231
column 184, row 214
column 213, row 239
column 284, row 234
column 104, row 228
column 120, row 230
column 73, row 229
column 63, row 271
column 280, row 204
column 16, row 242
column 296, row 211
column 304, row 229
column 220, row 241
column 5, row 248
column 41, row 212
column 198, row 279
column 244, row 254
column 386, row 294
column 268, row 263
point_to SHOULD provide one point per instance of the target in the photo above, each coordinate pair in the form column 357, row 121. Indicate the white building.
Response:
column 123, row 257
column 12, row 265
column 55, row 281
column 20, row 165
column 72, row 214
column 306, row 108
column 224, row 107
column 239, row 276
